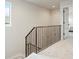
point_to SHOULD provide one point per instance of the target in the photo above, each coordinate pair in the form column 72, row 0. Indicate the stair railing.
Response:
column 41, row 37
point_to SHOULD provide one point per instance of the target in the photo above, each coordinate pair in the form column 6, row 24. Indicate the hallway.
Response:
column 26, row 14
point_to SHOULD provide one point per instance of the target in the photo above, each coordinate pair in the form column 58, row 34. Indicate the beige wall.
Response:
column 55, row 17
column 24, row 17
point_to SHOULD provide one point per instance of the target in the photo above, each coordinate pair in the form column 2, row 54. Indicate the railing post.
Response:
column 36, row 39
column 25, row 46
column 28, row 48
column 60, row 32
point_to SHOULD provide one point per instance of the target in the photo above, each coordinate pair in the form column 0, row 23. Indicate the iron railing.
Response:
column 41, row 37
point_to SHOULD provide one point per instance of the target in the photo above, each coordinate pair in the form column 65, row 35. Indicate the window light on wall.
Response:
column 8, row 13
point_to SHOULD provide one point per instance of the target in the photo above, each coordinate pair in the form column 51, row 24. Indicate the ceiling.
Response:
column 66, row 2
column 50, row 4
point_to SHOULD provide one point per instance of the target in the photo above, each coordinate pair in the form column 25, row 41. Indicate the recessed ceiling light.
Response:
column 53, row 6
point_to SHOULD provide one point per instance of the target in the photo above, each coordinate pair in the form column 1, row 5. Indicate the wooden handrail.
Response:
column 40, row 27
column 47, row 26
column 30, row 32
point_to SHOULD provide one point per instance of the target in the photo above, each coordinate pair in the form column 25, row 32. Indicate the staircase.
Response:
column 41, row 37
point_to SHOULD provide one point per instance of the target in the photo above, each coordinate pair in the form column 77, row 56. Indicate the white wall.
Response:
column 71, row 16
column 55, row 17
column 24, row 17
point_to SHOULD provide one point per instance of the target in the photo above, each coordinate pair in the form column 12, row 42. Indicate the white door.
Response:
column 65, row 22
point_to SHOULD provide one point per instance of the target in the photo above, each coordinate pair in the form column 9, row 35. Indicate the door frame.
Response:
column 64, row 23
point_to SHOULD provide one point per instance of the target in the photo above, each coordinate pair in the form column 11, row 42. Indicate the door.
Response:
column 65, row 22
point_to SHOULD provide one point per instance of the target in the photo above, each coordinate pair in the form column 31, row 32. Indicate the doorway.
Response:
column 65, row 22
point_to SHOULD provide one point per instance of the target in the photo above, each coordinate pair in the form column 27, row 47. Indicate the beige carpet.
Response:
column 60, row 50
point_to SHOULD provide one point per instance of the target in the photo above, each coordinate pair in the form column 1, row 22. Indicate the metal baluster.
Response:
column 36, row 40
column 25, row 46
